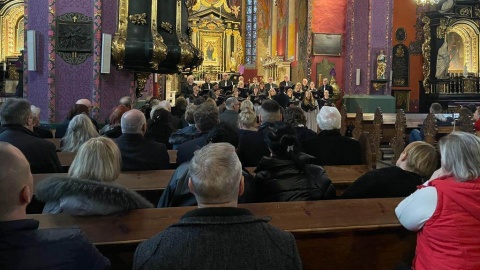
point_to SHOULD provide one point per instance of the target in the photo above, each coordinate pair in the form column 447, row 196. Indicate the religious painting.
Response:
column 327, row 44
column 402, row 99
column 400, row 65
column 212, row 48
column 456, row 52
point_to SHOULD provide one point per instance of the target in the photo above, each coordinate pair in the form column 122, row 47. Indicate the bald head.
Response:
column 16, row 185
column 133, row 121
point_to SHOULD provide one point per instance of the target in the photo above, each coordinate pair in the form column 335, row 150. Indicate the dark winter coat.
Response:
column 76, row 196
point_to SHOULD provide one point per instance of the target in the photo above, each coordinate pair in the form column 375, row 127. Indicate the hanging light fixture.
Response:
column 427, row 2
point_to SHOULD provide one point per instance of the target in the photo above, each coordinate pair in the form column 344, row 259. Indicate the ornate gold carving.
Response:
column 139, row 19
column 465, row 122
column 210, row 3
column 477, row 11
column 426, row 54
column 442, row 28
column 141, row 80
column 160, row 50
column 186, row 48
column 118, row 44
column 469, row 85
column 190, row 4
column 11, row 37
column 167, row 26
column 466, row 11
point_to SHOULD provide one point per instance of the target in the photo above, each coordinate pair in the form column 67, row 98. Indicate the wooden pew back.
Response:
column 430, row 129
column 377, row 132
column 341, row 234
column 357, row 131
column 398, row 142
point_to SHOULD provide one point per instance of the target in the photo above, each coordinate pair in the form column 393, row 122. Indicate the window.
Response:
column 251, row 33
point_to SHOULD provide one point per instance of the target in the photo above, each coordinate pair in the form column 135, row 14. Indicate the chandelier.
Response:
column 427, row 2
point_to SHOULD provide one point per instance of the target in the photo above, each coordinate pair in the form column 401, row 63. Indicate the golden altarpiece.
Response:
column 11, row 43
column 216, row 31
column 451, row 51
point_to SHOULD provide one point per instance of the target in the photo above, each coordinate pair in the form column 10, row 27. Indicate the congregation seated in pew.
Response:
column 187, row 133
column 138, row 153
column 159, row 126
column 17, row 129
column 41, row 132
column 329, row 146
column 416, row 164
column 177, row 192
column 81, row 106
column 441, row 120
column 218, row 235
column 87, row 190
column 22, row 244
column 80, row 129
column 288, row 174
column 113, row 129
column 295, row 117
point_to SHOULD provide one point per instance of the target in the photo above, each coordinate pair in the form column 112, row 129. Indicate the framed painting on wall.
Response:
column 327, row 44
column 402, row 99
column 212, row 47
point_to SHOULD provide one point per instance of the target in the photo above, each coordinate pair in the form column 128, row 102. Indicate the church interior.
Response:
column 331, row 124
column 312, row 39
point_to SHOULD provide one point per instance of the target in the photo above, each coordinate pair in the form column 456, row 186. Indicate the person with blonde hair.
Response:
column 79, row 130
column 310, row 107
column 445, row 211
column 87, row 190
column 247, row 121
column 416, row 164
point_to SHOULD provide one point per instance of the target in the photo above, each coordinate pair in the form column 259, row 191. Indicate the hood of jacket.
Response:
column 279, row 167
column 57, row 187
column 465, row 194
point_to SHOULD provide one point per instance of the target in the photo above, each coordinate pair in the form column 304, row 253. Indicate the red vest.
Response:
column 450, row 239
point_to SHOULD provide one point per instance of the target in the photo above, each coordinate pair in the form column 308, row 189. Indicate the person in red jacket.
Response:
column 445, row 211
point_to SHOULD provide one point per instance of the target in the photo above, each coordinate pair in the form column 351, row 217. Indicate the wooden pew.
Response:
column 357, row 131
column 341, row 234
column 398, row 142
column 430, row 129
column 56, row 142
column 343, row 113
column 151, row 184
column 377, row 132
column 66, row 158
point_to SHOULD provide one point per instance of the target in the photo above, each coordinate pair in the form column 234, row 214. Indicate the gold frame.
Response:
column 216, row 39
column 118, row 43
column 9, row 30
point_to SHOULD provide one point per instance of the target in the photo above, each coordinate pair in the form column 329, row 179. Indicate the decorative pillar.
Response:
column 274, row 24
column 228, row 46
column 97, row 57
column 51, row 61
column 291, row 30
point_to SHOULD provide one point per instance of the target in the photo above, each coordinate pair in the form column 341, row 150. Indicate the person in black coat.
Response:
column 22, row 244
column 177, row 192
column 17, row 129
column 289, row 175
column 187, row 89
column 325, row 87
column 218, row 235
column 270, row 85
column 286, row 82
column 282, row 98
column 295, row 117
column 416, row 163
column 252, row 147
column 41, row 132
column 159, row 127
column 206, row 117
column 329, row 146
column 139, row 154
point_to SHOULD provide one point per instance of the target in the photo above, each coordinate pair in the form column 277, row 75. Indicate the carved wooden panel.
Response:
column 377, row 131
column 430, row 129
column 398, row 141
column 368, row 154
column 357, row 131
column 343, row 113
column 465, row 122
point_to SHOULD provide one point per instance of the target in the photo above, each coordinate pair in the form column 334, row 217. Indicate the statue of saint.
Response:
column 443, row 62
column 381, row 65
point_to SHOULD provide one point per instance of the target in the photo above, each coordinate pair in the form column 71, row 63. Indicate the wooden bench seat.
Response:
column 341, row 234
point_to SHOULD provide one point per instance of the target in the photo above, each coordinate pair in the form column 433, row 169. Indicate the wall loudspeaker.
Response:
column 106, row 53
column 357, row 77
column 32, row 50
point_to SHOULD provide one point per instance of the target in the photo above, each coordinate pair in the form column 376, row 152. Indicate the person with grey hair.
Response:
column 230, row 115
column 79, row 130
column 187, row 133
column 139, row 154
column 17, row 129
column 126, row 101
column 206, row 118
column 187, row 88
column 329, row 146
column 23, row 245
column 41, row 132
column 252, row 147
column 445, row 210
column 208, row 237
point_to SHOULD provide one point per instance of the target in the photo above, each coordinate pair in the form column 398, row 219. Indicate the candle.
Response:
column 4, row 66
